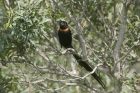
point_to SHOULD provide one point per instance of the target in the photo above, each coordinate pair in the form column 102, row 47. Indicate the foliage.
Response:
column 30, row 54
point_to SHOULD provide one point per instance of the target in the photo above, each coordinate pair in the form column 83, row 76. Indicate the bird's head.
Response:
column 63, row 25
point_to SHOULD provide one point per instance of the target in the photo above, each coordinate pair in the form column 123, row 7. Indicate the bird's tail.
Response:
column 88, row 68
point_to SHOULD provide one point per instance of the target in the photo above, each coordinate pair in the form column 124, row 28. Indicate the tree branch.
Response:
column 117, row 73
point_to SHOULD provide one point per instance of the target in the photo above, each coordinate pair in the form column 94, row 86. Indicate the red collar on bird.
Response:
column 65, row 29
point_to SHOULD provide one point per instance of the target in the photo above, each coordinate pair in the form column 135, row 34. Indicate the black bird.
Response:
column 65, row 39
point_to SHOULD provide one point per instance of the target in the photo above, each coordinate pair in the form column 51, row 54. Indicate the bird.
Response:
column 65, row 40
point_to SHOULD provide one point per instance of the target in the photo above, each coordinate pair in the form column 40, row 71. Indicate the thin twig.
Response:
column 91, row 71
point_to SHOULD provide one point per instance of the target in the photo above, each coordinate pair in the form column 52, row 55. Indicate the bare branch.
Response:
column 43, row 56
column 123, row 56
column 117, row 73
column 72, row 64
column 83, row 12
column 121, row 33
column 92, row 71
column 64, row 11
